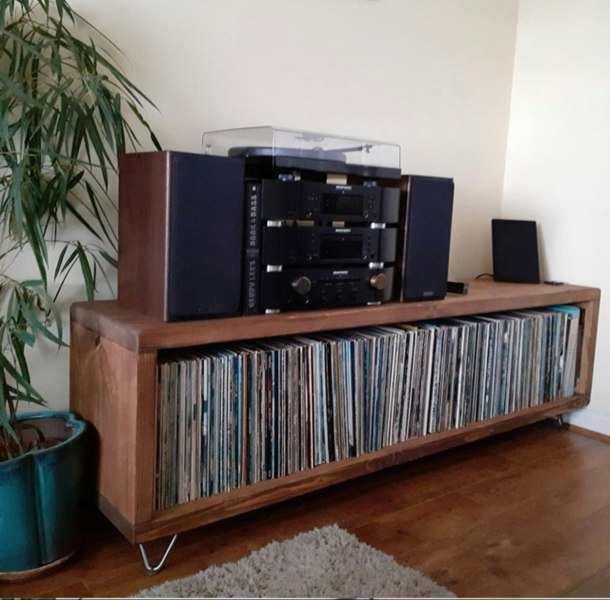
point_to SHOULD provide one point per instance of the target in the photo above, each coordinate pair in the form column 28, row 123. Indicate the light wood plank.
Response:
column 113, row 389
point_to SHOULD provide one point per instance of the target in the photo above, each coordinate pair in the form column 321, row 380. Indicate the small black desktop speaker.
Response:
column 515, row 251
column 426, row 224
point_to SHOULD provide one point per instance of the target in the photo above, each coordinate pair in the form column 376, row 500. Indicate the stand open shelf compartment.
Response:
column 113, row 381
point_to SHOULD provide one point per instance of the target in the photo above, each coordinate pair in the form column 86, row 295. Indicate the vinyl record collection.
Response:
column 237, row 414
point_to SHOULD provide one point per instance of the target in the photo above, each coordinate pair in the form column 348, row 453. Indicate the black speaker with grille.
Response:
column 515, row 251
column 426, row 227
column 181, row 219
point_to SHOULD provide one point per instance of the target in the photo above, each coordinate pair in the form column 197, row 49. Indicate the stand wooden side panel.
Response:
column 115, row 390
column 586, row 358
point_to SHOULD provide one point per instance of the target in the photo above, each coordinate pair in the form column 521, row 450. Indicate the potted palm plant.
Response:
column 66, row 111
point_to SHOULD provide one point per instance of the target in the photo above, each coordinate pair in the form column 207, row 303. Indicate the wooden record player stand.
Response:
column 113, row 385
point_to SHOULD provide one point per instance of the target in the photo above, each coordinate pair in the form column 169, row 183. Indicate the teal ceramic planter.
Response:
column 39, row 495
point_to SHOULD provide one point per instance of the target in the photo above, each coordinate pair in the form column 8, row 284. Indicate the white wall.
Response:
column 432, row 75
column 558, row 155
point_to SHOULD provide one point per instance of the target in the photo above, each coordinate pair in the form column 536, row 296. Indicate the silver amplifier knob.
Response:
column 379, row 281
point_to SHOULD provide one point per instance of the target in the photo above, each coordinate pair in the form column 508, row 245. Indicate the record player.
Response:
column 274, row 150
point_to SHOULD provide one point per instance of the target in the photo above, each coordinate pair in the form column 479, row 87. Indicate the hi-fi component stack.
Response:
column 266, row 220
column 318, row 245
column 321, row 218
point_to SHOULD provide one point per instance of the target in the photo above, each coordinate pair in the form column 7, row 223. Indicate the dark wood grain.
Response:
column 143, row 229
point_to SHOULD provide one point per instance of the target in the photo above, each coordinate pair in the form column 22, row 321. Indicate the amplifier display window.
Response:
column 342, row 204
column 332, row 248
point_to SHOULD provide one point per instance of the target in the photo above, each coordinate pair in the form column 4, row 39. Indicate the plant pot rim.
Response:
column 72, row 422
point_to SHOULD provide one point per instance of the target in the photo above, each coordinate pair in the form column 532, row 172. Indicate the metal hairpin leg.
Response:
column 152, row 570
column 560, row 421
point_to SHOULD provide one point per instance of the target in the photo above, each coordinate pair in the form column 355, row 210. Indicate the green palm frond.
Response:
column 66, row 112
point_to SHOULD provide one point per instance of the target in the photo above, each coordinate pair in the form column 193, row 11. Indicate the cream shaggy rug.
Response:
column 323, row 563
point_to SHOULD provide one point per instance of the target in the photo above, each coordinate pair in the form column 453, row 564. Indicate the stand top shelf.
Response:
column 140, row 333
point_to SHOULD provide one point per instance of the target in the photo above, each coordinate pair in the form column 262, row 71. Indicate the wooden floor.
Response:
column 524, row 514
